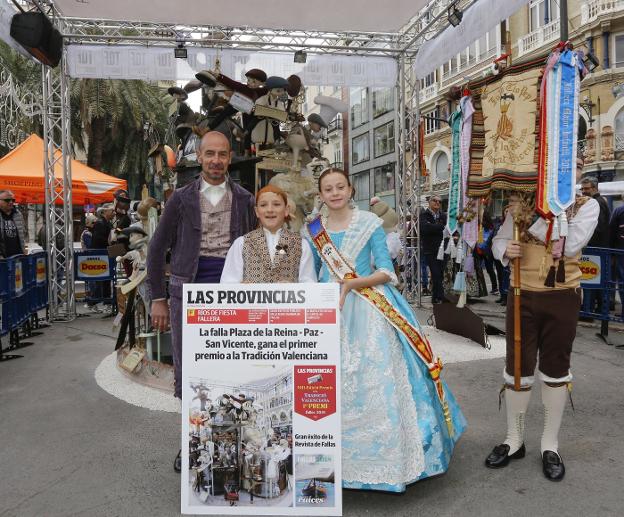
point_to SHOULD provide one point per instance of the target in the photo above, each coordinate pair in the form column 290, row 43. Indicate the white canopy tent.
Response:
column 350, row 43
column 323, row 15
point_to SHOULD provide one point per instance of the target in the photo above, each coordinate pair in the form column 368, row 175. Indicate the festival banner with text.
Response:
column 261, row 399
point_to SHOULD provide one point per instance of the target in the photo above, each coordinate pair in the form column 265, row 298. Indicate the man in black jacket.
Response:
column 103, row 226
column 432, row 223
column 12, row 227
column 600, row 238
column 99, row 241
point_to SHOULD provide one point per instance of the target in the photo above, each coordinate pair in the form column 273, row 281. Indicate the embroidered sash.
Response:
column 541, row 196
column 568, row 123
column 470, row 229
column 337, row 264
column 455, row 179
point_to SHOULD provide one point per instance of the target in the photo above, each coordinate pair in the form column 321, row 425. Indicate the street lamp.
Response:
column 588, row 106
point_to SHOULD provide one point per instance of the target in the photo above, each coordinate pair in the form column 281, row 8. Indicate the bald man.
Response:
column 199, row 223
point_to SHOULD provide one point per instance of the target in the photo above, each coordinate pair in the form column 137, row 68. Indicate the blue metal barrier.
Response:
column 603, row 275
column 23, row 292
column 99, row 271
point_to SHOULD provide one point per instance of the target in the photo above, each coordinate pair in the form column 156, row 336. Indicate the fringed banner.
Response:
column 504, row 150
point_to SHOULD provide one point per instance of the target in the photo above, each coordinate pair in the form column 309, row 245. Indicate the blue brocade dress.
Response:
column 393, row 427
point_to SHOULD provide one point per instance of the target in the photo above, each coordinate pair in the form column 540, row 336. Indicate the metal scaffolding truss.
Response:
column 58, row 187
column 106, row 32
column 401, row 46
column 58, row 194
column 408, row 186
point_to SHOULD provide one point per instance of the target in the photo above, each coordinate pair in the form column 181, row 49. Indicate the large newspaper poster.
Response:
column 261, row 399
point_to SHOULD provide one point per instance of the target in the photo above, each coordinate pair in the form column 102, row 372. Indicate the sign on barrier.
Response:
column 91, row 267
column 41, row 270
column 590, row 269
column 19, row 277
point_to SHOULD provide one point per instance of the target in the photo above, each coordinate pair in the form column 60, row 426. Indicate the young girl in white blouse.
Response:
column 270, row 253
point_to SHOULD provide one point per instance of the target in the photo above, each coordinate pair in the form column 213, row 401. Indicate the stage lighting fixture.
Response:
column 454, row 15
column 180, row 52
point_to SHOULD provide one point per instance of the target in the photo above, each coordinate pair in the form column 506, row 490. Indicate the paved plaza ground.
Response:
column 69, row 448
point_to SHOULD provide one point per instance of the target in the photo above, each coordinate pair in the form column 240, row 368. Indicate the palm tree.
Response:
column 110, row 120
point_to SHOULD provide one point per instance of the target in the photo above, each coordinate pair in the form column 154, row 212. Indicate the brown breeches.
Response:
column 548, row 329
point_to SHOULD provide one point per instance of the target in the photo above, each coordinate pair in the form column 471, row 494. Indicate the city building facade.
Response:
column 373, row 160
column 596, row 26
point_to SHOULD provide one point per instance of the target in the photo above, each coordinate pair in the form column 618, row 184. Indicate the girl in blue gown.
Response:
column 394, row 430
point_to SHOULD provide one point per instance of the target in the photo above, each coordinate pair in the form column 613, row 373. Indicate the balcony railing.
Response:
column 468, row 68
column 539, row 37
column 334, row 125
column 429, row 92
column 593, row 9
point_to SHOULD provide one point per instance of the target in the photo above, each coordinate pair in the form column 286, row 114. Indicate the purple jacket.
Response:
column 179, row 229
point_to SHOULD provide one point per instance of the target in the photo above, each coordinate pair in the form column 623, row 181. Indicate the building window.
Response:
column 383, row 101
column 542, row 12
column 428, row 80
column 432, row 125
column 619, row 51
column 441, row 166
column 361, row 184
column 383, row 138
column 472, row 53
column 488, row 43
column 492, row 38
column 463, row 59
column 337, row 154
column 482, row 43
column 359, row 107
column 384, row 178
column 361, row 151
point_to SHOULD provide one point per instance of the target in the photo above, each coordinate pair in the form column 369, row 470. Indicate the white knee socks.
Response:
column 554, row 399
column 516, row 403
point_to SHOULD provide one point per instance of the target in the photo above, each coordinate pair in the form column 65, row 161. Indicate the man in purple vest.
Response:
column 199, row 223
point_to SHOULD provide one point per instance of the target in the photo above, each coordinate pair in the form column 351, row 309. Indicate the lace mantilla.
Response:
column 362, row 227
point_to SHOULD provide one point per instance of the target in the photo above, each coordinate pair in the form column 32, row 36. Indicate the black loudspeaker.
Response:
column 37, row 35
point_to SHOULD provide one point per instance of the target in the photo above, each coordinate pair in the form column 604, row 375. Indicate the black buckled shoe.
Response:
column 499, row 457
column 552, row 466
column 177, row 463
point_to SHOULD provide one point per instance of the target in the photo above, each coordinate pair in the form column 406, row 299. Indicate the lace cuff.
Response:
column 393, row 278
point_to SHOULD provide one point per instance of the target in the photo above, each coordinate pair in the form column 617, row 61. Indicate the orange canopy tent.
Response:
column 21, row 171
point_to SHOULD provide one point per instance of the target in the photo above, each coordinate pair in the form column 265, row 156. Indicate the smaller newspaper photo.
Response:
column 261, row 400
